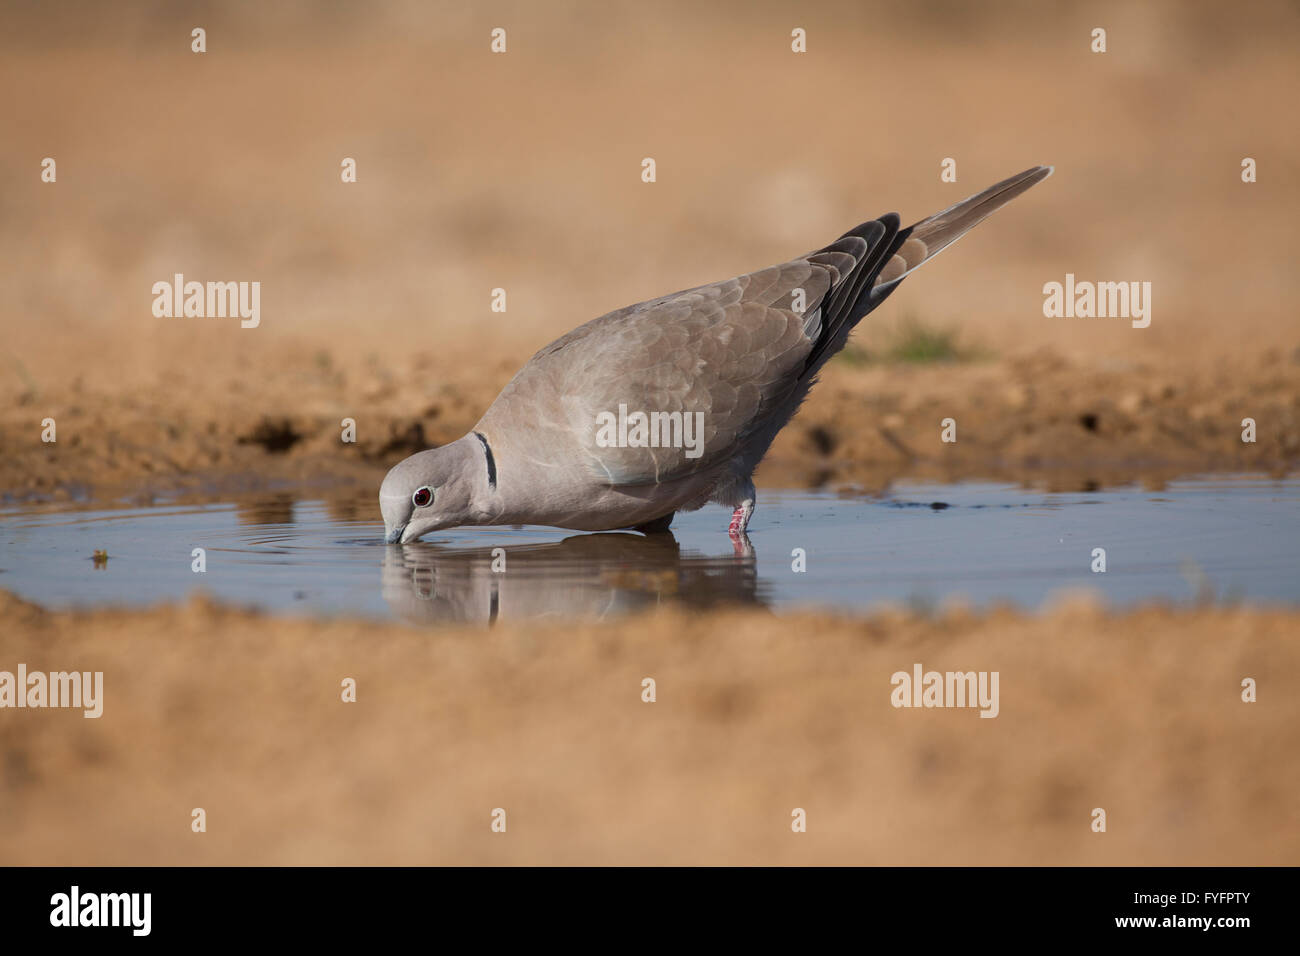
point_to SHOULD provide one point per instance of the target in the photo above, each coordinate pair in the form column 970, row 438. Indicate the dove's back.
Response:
column 741, row 354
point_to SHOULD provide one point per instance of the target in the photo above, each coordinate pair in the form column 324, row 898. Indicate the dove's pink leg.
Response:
column 739, row 522
column 740, row 517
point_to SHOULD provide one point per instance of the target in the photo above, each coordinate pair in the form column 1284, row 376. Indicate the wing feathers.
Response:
column 742, row 352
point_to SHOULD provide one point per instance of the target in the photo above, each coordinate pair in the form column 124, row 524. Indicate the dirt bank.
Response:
column 1038, row 418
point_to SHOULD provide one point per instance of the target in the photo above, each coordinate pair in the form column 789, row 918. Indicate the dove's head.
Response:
column 432, row 490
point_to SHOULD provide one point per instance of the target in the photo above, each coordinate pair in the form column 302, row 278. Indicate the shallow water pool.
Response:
column 1218, row 540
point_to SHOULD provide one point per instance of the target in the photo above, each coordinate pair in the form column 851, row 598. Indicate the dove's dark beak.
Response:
column 394, row 535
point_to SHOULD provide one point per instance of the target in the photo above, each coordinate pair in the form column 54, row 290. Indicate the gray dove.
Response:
column 669, row 404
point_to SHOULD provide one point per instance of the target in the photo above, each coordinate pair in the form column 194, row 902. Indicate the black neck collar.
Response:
column 491, row 462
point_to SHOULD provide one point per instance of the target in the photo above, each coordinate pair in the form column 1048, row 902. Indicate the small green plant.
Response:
column 911, row 342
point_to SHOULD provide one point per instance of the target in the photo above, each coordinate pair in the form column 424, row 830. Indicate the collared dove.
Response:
column 669, row 404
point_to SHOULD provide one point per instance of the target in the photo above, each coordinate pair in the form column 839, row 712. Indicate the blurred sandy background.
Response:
column 755, row 715
column 522, row 171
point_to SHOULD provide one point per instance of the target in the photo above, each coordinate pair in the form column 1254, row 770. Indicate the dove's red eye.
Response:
column 422, row 496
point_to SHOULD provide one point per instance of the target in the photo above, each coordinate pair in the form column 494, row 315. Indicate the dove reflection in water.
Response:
column 586, row 575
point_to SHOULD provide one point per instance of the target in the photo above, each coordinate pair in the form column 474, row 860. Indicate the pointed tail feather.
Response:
column 929, row 237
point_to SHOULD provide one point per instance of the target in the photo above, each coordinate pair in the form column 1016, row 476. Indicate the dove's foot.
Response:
column 740, row 518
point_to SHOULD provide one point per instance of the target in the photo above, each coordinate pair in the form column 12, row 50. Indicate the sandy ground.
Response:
column 522, row 172
column 755, row 715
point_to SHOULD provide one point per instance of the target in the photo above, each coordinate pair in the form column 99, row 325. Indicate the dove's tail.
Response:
column 882, row 255
column 929, row 237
